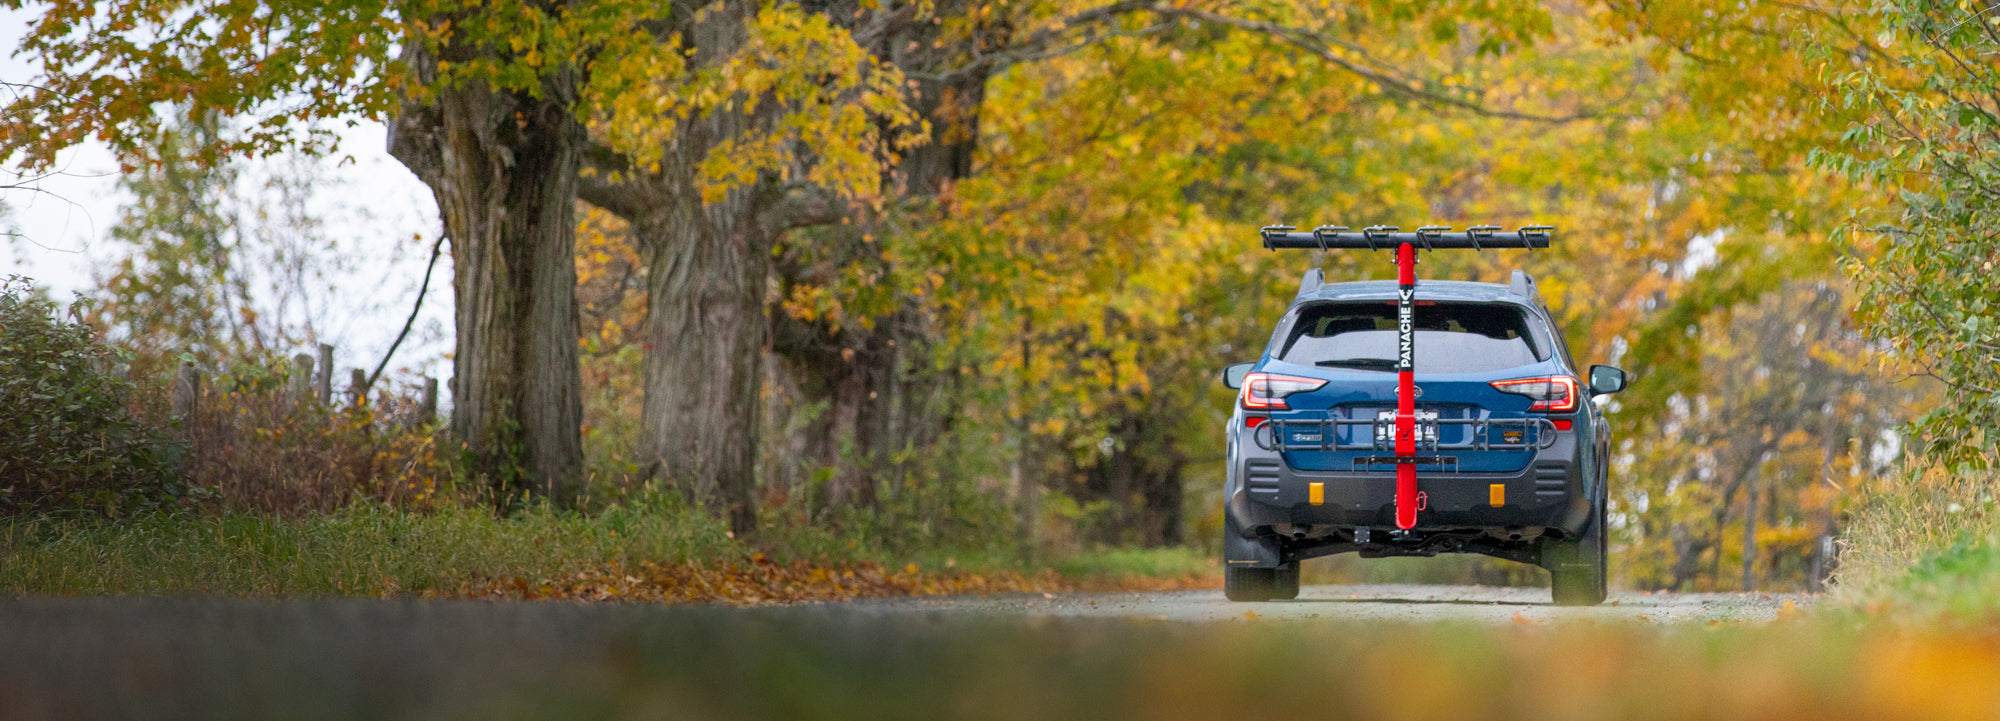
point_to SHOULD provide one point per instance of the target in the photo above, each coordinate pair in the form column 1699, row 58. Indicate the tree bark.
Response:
column 705, row 331
column 503, row 167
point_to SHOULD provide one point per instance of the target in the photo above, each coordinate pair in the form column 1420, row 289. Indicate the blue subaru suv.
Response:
column 1512, row 449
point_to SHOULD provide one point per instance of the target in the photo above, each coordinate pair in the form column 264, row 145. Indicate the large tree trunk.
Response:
column 705, row 326
column 707, row 265
column 503, row 166
column 705, row 337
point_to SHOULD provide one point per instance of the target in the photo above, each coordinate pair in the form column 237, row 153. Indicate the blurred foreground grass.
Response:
column 141, row 658
column 662, row 553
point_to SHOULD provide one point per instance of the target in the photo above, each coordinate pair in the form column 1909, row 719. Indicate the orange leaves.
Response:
column 610, row 279
column 765, row 581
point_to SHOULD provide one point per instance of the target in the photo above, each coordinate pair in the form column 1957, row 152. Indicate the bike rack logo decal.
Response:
column 1406, row 329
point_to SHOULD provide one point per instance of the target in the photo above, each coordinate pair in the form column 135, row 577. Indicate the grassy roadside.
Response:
column 663, row 553
column 1922, row 548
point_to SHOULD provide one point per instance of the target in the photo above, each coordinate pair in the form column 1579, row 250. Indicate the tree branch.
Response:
column 625, row 197
column 1322, row 48
column 800, row 205
column 436, row 249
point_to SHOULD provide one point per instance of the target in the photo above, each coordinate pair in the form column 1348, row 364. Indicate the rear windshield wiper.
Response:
column 1369, row 363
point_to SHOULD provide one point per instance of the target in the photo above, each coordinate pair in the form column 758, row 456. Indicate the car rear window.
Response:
column 1451, row 337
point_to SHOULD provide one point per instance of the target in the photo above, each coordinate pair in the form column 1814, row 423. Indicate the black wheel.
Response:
column 1576, row 566
column 1250, row 584
column 1286, row 586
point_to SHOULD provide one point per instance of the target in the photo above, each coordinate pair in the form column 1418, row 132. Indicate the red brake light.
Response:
column 1267, row 391
column 1553, row 394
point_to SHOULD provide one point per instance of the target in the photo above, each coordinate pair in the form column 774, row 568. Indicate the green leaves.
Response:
column 1927, row 130
column 68, row 437
column 274, row 69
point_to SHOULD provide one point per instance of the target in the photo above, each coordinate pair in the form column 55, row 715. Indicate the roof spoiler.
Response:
column 1523, row 285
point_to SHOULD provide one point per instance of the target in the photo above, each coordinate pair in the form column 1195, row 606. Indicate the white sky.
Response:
column 369, row 203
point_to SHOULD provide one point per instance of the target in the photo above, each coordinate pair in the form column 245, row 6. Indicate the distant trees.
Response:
column 208, row 259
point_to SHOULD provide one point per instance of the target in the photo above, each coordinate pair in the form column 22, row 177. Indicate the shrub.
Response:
column 68, row 437
column 262, row 449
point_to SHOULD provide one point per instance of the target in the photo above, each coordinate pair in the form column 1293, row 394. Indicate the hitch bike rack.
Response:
column 1406, row 245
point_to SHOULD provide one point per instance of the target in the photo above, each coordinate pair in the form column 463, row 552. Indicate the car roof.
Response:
column 1461, row 290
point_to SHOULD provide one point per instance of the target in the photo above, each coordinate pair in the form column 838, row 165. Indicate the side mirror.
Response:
column 1606, row 379
column 1233, row 375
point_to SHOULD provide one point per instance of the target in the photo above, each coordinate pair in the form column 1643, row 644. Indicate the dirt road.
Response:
column 1380, row 602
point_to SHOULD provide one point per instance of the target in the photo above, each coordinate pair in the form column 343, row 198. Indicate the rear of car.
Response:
column 1512, row 451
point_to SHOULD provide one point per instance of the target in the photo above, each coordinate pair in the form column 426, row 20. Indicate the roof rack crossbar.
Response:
column 1381, row 237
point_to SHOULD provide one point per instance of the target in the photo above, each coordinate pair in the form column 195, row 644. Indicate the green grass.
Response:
column 1922, row 547
column 372, row 550
column 362, row 550
column 1169, row 562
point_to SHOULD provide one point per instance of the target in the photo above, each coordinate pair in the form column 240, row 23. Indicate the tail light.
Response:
column 1553, row 394
column 1267, row 391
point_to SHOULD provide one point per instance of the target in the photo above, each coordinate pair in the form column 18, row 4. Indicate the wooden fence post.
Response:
column 300, row 383
column 187, row 391
column 325, row 377
column 427, row 408
column 357, row 388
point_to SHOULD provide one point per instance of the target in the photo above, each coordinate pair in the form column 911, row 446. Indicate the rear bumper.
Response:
column 1550, row 493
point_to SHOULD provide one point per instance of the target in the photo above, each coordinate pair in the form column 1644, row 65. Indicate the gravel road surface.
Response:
column 1378, row 602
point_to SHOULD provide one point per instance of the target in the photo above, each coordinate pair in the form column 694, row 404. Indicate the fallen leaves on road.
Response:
column 764, row 581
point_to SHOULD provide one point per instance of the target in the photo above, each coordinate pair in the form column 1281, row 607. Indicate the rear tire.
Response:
column 1250, row 584
column 1576, row 566
column 1286, row 586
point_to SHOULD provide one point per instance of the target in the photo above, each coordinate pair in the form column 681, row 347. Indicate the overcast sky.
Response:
column 372, row 207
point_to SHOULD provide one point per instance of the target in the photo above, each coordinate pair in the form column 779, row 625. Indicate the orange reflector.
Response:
column 1316, row 493
column 1496, row 495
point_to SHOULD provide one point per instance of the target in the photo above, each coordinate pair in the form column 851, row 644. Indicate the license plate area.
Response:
column 1426, row 428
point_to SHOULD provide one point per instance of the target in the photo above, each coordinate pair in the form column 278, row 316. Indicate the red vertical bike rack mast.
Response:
column 1478, row 237
column 1406, row 386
